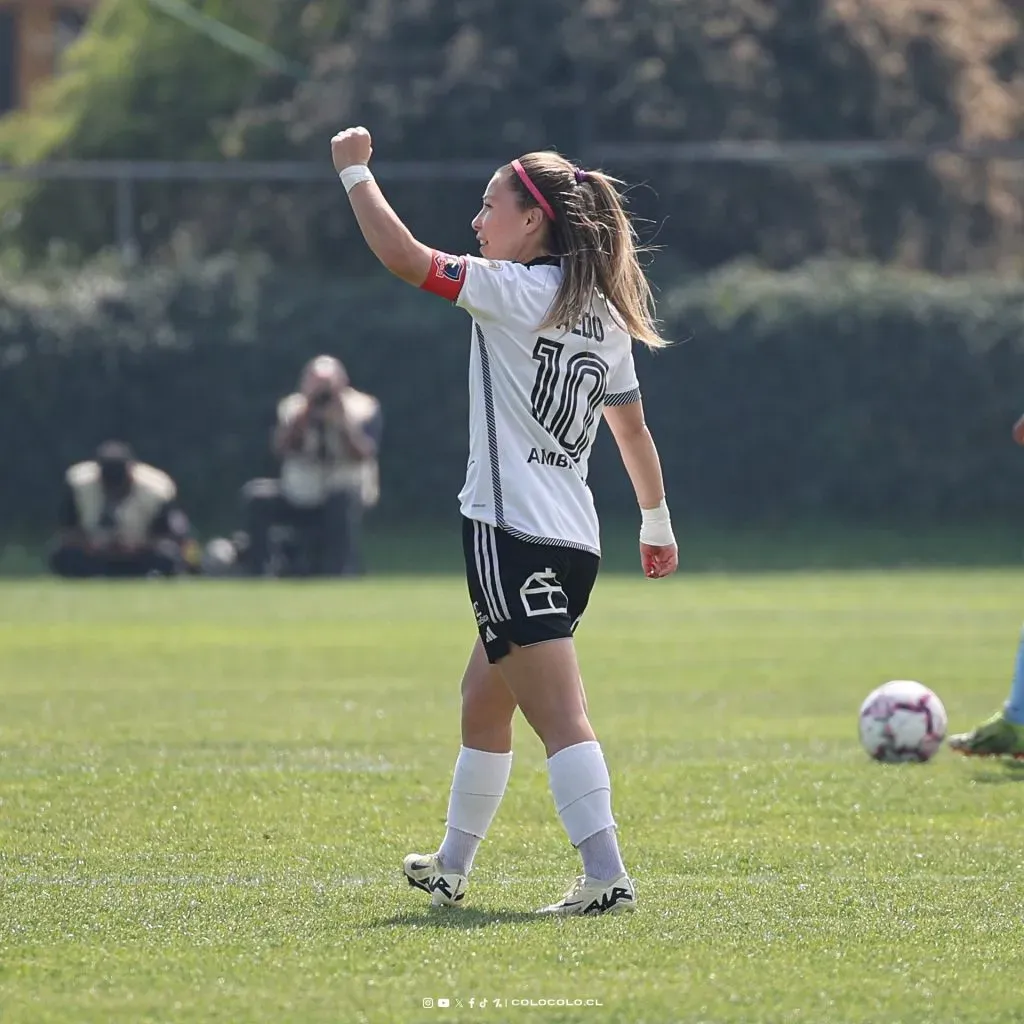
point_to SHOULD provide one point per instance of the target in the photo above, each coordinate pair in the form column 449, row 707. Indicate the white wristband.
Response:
column 656, row 526
column 352, row 176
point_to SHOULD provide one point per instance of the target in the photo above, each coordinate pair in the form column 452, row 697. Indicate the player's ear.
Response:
column 534, row 219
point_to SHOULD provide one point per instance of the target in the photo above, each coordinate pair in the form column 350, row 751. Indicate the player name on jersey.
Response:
column 547, row 458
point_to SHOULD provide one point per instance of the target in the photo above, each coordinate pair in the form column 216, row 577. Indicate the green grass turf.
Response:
column 207, row 788
column 430, row 549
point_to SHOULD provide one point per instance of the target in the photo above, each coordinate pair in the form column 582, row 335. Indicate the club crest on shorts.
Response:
column 452, row 268
column 542, row 594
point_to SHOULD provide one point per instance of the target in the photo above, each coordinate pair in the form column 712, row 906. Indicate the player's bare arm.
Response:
column 1018, row 431
column 639, row 455
column 391, row 241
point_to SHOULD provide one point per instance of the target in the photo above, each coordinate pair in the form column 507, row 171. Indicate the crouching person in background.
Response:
column 327, row 438
column 120, row 517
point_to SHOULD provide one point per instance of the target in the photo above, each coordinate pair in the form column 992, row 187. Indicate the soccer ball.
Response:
column 902, row 721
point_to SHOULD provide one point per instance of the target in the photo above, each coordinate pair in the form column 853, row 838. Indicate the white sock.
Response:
column 601, row 858
column 583, row 796
column 458, row 850
column 477, row 788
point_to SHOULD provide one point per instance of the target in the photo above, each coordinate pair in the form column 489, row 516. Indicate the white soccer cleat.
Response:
column 424, row 871
column 589, row 896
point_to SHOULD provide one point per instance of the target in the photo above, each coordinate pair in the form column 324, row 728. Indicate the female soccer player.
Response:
column 555, row 299
column 1002, row 735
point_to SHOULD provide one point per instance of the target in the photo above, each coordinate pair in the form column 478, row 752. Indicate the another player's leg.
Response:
column 481, row 775
column 1002, row 735
column 545, row 680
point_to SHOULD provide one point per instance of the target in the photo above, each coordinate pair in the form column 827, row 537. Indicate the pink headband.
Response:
column 533, row 190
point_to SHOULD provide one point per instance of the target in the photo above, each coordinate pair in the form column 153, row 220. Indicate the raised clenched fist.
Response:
column 350, row 147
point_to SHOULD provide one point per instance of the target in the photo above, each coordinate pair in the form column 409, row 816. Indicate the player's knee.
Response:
column 487, row 709
column 486, row 734
column 482, row 705
column 557, row 725
column 487, row 721
column 563, row 732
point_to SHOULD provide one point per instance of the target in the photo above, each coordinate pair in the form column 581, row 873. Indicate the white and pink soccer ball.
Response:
column 902, row 720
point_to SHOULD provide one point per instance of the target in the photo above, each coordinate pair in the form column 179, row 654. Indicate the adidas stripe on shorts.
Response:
column 524, row 592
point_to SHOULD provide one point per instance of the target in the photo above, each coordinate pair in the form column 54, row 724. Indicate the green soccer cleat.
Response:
column 995, row 737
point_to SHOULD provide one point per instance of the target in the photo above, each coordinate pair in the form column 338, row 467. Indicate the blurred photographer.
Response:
column 327, row 437
column 120, row 517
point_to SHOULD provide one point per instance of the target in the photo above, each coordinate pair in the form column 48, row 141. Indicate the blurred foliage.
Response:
column 140, row 84
column 479, row 79
column 837, row 391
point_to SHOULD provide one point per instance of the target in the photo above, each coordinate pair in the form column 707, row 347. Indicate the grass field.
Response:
column 206, row 790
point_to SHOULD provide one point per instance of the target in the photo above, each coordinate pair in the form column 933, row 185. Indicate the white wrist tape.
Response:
column 656, row 526
column 352, row 176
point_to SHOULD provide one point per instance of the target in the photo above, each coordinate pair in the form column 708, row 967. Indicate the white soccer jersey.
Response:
column 535, row 398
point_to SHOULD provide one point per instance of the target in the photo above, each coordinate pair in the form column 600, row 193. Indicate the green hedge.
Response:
column 841, row 391
column 436, row 80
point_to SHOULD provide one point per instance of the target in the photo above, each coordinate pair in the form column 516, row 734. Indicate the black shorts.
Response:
column 524, row 593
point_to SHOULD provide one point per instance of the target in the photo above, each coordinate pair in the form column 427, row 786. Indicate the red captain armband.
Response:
column 446, row 277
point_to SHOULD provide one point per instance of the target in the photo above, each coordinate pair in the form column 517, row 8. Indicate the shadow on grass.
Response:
column 463, row 918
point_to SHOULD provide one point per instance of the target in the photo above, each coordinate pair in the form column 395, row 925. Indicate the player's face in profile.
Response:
column 502, row 226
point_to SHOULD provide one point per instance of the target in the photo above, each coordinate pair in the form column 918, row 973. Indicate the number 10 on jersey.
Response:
column 567, row 394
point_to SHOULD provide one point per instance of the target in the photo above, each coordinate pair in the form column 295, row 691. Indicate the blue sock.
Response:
column 1014, row 707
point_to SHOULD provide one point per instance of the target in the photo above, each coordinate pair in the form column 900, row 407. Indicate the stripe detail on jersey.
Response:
column 552, row 542
column 623, row 397
column 485, row 552
column 492, row 426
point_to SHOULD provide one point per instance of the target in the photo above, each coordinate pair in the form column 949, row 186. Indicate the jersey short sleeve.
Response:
column 492, row 289
column 623, row 386
column 495, row 291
